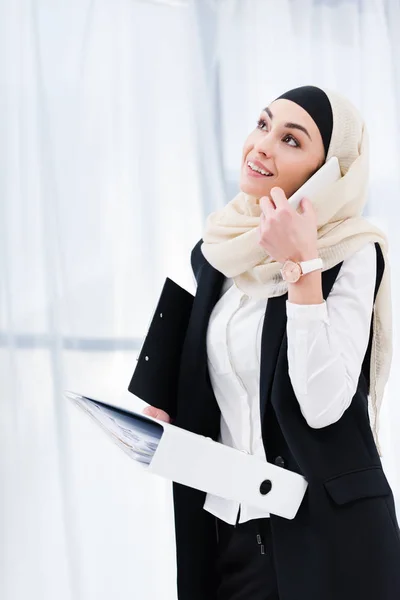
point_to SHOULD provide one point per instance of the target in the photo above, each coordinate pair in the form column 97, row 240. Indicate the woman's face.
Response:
column 287, row 145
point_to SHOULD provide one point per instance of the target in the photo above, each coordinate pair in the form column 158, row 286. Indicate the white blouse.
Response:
column 326, row 347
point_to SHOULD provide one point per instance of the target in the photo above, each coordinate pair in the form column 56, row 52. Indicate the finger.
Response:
column 157, row 413
column 279, row 197
column 267, row 206
column 306, row 205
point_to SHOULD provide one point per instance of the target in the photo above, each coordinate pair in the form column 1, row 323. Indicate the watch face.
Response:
column 291, row 271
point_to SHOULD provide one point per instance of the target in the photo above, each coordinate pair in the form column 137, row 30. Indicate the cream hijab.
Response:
column 231, row 239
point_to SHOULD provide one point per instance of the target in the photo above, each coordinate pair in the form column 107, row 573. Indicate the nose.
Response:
column 264, row 145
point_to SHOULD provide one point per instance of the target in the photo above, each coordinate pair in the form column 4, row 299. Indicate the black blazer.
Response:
column 344, row 543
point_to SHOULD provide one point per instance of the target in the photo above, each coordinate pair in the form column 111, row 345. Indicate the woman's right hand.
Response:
column 157, row 413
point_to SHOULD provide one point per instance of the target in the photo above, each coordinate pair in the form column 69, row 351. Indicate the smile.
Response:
column 256, row 169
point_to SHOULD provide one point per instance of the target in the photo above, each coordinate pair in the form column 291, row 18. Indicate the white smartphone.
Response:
column 328, row 173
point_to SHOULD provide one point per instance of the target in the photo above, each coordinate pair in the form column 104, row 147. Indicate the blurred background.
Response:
column 121, row 129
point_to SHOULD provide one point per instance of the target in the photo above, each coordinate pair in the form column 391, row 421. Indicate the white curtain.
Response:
column 121, row 127
column 101, row 188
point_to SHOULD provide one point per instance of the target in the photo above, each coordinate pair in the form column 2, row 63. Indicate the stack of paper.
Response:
column 138, row 437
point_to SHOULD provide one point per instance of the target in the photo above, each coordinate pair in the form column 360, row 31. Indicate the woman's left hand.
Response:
column 284, row 233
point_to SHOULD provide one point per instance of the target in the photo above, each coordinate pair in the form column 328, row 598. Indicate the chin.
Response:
column 248, row 187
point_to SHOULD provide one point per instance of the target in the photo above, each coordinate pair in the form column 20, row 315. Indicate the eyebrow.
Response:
column 289, row 125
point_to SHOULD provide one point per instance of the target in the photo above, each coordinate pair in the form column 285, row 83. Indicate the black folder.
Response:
column 155, row 378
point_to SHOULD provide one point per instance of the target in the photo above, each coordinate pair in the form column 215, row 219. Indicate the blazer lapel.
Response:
column 271, row 339
column 208, row 290
column 201, row 413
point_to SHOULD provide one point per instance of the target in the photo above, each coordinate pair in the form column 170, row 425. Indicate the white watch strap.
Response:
column 311, row 265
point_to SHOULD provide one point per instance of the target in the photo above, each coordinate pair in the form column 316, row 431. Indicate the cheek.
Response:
column 294, row 165
column 248, row 146
column 293, row 171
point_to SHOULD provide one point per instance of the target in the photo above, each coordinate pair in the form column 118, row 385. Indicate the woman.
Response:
column 292, row 371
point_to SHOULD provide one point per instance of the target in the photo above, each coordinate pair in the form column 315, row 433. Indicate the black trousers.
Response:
column 245, row 561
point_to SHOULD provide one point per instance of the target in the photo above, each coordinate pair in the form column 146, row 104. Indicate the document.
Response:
column 137, row 436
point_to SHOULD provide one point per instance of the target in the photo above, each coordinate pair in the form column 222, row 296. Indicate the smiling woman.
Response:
column 284, row 368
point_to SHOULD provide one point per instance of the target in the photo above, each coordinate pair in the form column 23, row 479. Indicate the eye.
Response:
column 289, row 137
column 261, row 124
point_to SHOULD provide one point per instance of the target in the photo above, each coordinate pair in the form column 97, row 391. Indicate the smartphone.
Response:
column 327, row 174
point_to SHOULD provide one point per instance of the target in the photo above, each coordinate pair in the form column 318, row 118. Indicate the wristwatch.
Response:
column 292, row 271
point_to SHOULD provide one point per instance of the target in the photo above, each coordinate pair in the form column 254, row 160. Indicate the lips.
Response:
column 258, row 169
column 255, row 171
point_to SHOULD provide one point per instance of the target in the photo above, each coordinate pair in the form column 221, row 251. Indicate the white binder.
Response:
column 201, row 463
